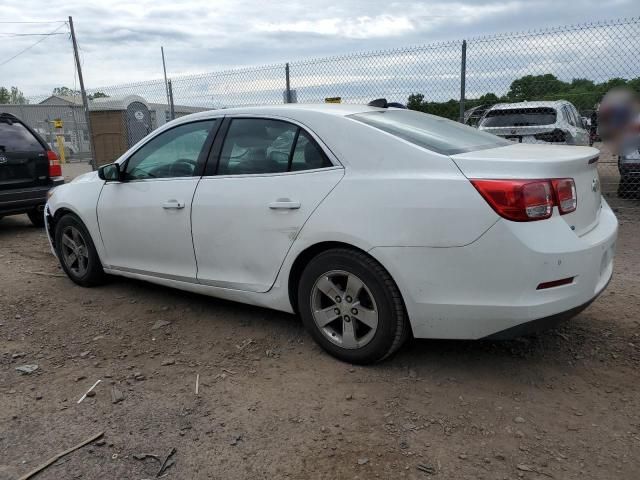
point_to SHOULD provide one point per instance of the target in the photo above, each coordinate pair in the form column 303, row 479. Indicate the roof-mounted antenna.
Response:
column 378, row 102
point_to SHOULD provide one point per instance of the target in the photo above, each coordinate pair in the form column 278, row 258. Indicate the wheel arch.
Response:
column 306, row 255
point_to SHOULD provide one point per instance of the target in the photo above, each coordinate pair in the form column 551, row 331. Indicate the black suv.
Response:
column 28, row 170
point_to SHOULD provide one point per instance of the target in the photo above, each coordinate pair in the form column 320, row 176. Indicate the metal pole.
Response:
column 286, row 72
column 463, row 78
column 171, row 107
column 166, row 85
column 85, row 101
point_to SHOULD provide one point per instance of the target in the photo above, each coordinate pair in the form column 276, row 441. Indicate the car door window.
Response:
column 259, row 146
column 171, row 154
column 568, row 116
column 307, row 154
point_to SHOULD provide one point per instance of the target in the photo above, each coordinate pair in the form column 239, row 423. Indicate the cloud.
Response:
column 120, row 39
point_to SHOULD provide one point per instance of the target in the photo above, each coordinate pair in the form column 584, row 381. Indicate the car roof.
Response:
column 291, row 110
column 534, row 104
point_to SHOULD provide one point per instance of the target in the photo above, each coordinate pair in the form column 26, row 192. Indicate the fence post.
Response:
column 463, row 78
column 286, row 72
column 172, row 110
column 85, row 101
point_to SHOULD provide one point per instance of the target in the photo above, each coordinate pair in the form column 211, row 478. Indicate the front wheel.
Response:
column 76, row 252
column 352, row 307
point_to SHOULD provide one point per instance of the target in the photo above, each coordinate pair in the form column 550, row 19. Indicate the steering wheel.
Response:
column 182, row 167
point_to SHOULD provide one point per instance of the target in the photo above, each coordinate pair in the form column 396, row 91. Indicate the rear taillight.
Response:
column 566, row 198
column 555, row 136
column 528, row 200
column 55, row 170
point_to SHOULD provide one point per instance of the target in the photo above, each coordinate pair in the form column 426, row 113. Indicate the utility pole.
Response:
column 463, row 79
column 166, row 84
column 85, row 101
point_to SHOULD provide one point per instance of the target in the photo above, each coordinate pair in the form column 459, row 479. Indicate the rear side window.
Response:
column 259, row 146
column 519, row 117
column 14, row 137
column 429, row 131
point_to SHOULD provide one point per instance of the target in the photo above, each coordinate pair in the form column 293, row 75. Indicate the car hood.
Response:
column 86, row 178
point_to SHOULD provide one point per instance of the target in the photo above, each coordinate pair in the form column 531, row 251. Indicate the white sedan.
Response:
column 372, row 224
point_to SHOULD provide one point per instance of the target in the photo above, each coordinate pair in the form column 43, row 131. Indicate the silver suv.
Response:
column 536, row 122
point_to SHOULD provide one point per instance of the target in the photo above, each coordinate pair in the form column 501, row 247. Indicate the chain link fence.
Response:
column 539, row 86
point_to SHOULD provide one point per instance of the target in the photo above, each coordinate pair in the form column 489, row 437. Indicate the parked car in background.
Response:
column 556, row 122
column 473, row 116
column 629, row 167
column 28, row 170
column 371, row 223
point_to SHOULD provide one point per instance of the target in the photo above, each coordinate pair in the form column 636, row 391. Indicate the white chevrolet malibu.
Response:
column 372, row 224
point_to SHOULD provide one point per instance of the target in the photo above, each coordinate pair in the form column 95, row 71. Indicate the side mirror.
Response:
column 109, row 173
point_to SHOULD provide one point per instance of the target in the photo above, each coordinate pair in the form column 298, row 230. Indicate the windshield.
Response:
column 519, row 117
column 428, row 131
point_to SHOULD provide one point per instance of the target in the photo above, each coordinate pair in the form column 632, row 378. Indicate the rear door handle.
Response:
column 284, row 204
column 173, row 204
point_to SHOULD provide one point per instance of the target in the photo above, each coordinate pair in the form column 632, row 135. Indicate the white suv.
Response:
column 555, row 122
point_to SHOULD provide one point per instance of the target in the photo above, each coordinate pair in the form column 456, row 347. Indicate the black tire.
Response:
column 37, row 218
column 392, row 323
column 93, row 274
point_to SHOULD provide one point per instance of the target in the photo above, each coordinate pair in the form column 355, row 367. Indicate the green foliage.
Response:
column 91, row 96
column 582, row 92
column 65, row 91
column 13, row 96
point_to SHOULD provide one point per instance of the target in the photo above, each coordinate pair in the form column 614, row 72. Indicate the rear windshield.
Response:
column 14, row 137
column 519, row 117
column 428, row 131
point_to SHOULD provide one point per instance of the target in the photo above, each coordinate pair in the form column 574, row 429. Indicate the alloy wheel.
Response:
column 344, row 309
column 75, row 253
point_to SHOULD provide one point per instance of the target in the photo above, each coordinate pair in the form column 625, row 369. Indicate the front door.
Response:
column 145, row 219
column 271, row 176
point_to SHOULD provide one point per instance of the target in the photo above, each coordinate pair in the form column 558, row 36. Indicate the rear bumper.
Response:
column 490, row 286
column 21, row 200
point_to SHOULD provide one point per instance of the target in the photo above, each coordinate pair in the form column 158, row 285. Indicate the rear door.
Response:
column 247, row 212
column 23, row 159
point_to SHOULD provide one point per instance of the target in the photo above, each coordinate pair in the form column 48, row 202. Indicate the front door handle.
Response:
column 173, row 204
column 284, row 204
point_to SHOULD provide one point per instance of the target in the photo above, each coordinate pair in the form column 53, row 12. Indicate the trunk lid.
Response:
column 23, row 159
column 521, row 161
column 528, row 134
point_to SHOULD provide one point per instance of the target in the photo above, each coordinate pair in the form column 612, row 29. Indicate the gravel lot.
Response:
column 564, row 404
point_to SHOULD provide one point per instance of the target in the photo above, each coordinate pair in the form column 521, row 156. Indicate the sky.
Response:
column 120, row 40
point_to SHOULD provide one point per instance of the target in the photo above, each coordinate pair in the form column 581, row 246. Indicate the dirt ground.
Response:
column 564, row 404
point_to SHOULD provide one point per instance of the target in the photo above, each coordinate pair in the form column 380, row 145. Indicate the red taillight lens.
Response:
column 518, row 200
column 55, row 170
column 565, row 189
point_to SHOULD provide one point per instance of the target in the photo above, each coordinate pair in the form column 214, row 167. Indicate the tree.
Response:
column 65, row 92
column 12, row 96
column 531, row 87
column 91, row 96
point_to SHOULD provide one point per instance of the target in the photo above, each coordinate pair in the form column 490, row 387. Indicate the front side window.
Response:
column 429, row 131
column 173, row 153
column 259, row 146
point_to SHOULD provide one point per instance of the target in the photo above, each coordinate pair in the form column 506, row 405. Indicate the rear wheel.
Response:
column 36, row 217
column 76, row 252
column 352, row 307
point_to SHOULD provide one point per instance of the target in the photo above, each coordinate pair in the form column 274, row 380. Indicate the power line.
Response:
column 11, row 34
column 52, row 21
column 32, row 45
